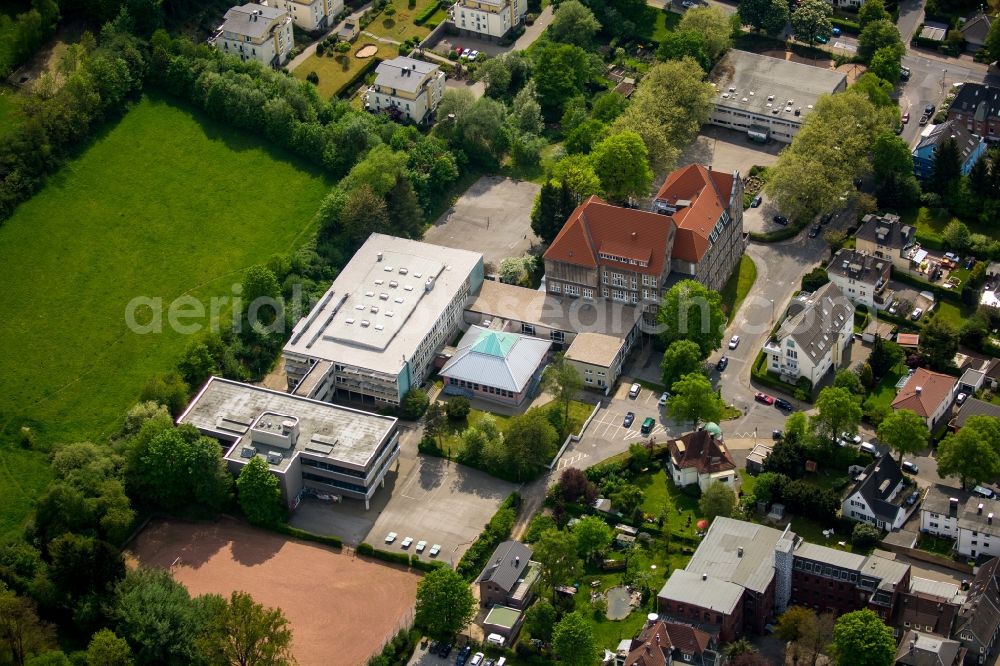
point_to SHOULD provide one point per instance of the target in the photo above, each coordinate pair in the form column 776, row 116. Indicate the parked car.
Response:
column 633, row 392
column 776, row 435
column 835, row 32
column 458, row 50
column 463, row 656
column 390, row 537
column 734, row 342
column 445, row 650
column 722, row 364
column 473, row 55
column 822, row 39
column 923, row 119
column 783, row 404
column 814, row 231
column 420, row 546
column 899, row 129
column 906, row 117
column 647, row 425
column 435, row 549
column 466, row 52
column 904, row 73
column 406, row 542
column 826, row 218
column 756, row 201
column 780, row 219
column 477, row 659
column 628, row 420
column 664, row 397
column 764, row 398
column 917, row 314
column 930, row 109
column 969, row 263
column 851, row 438
column 984, row 491
column 912, row 499
column 435, row 646
column 961, row 398
column 868, row 447
column 687, row 4
column 951, row 256
column 910, row 467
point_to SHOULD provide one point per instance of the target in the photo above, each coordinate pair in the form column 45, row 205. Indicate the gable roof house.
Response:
column 663, row 643
column 878, row 496
column 977, row 107
column 975, row 30
column 970, row 147
column 494, row 365
column 978, row 620
column 927, row 393
column 929, row 606
column 862, row 277
column 920, row 649
column 885, row 237
column 973, row 407
column 813, row 337
column 707, row 207
column 407, row 88
column 509, row 577
column 702, row 457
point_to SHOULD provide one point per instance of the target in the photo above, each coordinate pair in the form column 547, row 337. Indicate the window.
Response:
column 554, row 287
column 557, row 336
column 588, row 293
column 527, row 329
column 572, row 290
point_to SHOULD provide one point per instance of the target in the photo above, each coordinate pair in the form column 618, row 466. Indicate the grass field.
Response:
column 885, row 390
column 336, row 70
column 401, row 27
column 930, row 226
column 9, row 113
column 666, row 21
column 24, row 475
column 161, row 205
column 738, row 286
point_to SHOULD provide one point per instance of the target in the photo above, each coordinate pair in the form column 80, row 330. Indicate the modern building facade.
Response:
column 256, row 32
column 406, row 88
column 375, row 333
column 977, row 108
column 310, row 446
column 812, row 339
column 768, row 98
column 970, row 147
column 707, row 208
column 862, row 277
column 598, row 358
column 314, row 15
column 488, row 19
column 495, row 366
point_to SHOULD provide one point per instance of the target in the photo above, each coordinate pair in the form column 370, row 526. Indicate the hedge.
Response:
column 762, row 375
column 384, row 555
column 846, row 26
column 424, row 565
column 425, row 16
column 791, row 231
column 332, row 541
column 496, row 532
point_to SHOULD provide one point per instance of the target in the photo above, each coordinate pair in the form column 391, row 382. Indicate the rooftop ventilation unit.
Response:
column 397, row 300
column 379, row 327
column 403, row 271
column 417, row 275
column 365, row 323
column 373, row 309
column 369, row 294
column 248, row 452
column 393, row 284
column 359, row 306
column 383, row 297
column 380, row 282
column 388, row 269
column 274, row 458
column 349, row 320
column 408, row 287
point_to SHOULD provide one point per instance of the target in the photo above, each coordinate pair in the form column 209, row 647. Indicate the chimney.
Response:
column 378, row 257
column 739, row 552
column 657, row 639
column 913, row 644
column 953, row 506
column 704, row 576
column 634, row 235
column 517, row 561
column 920, row 389
column 989, row 518
column 649, row 649
column 979, row 511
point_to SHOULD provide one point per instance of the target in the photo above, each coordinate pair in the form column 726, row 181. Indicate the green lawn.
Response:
column 930, row 226
column 952, row 313
column 738, row 286
column 336, row 70
column 164, row 204
column 666, row 21
column 401, row 27
column 24, row 474
column 885, row 391
column 936, row 545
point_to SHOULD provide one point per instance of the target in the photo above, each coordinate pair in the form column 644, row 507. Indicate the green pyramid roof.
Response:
column 714, row 429
column 493, row 343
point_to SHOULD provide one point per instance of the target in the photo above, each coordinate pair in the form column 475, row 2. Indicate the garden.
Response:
column 334, row 70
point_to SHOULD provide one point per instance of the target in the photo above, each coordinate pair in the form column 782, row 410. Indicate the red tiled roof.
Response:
column 708, row 192
column 597, row 226
column 934, row 389
column 908, row 339
column 700, row 449
column 658, row 640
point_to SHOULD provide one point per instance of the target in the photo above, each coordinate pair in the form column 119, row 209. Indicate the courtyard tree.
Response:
column 973, row 453
column 861, row 638
column 621, row 162
column 444, row 603
column 540, row 620
column 530, row 443
column 694, row 400
column 241, row 632
column 769, row 16
column 886, row 354
column 872, row 11
column 682, row 357
column 939, row 343
column 260, row 494
column 692, row 311
column 848, row 379
column 885, row 63
column 679, row 44
column 562, row 380
column 107, row 649
column 573, row 640
column 904, row 432
column 574, row 24
column 879, row 34
column 557, row 553
column 812, row 20
column 711, row 23
column 717, row 500
column 593, row 536
column 837, row 410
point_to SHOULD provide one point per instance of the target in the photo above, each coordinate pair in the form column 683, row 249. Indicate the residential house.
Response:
column 662, row 643
column 975, row 31
column 978, row 620
column 973, row 407
column 939, row 511
column 979, row 528
column 598, row 358
column 610, row 252
column 707, row 207
column 813, row 338
column 495, row 366
column 929, row 606
column 256, row 32
column 977, row 107
column 879, row 496
column 927, row 393
column 885, row 237
column 862, row 277
column 920, row 649
column 509, row 577
column 970, row 147
column 488, row 19
column 406, row 88
column 313, row 15
column 701, row 457
column 757, row 456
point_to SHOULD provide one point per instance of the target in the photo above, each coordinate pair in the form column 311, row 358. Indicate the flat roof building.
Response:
column 766, row 97
column 375, row 332
column 311, row 446
column 598, row 358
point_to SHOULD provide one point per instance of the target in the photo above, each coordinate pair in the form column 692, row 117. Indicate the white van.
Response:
column 495, row 639
column 477, row 659
column 868, row 447
column 983, row 491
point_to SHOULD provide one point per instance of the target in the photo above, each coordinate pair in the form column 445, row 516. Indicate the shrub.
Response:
column 333, row 541
column 414, row 404
column 865, row 536
column 497, row 530
column 425, row 16
column 365, row 548
column 457, row 409
column 312, row 77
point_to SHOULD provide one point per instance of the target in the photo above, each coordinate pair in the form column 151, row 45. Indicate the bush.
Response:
column 312, row 77
column 425, row 16
column 365, row 549
column 457, row 409
column 497, row 530
column 414, row 404
column 849, row 27
column 424, row 565
column 865, row 536
column 333, row 541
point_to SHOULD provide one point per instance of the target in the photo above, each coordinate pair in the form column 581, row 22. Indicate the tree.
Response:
column 812, row 20
column 865, row 536
column 576, row 487
column 481, row 131
column 973, row 453
column 711, row 23
column 815, row 279
column 608, row 106
column 738, row 648
column 525, row 112
column 872, row 11
column 549, row 212
column 107, row 649
column 861, row 638
column 946, row 169
column 531, row 443
column 769, row 487
column 885, row 355
column 769, row 16
column 691, row 311
column 260, row 494
column 879, row 34
column 576, row 173
column 155, row 615
column 849, row 380
column 414, row 404
column 593, row 536
column 573, row 640
column 562, row 380
column 259, row 282
column 939, row 343
column 866, row 376
column 892, row 165
column 364, row 213
column 877, row 90
column 556, row 552
column 458, row 408
column 83, row 565
column 197, row 364
column 717, row 500
column 904, row 432
column 22, row 633
column 378, row 170
column 694, row 400
column 956, row 235
column 682, row 357
column 679, row 44
column 242, row 632
column 560, row 72
column 837, row 410
column 627, row 498
column 444, row 603
column 885, row 63
column 540, row 620
column 621, row 162
column 574, row 24
column 406, row 218
column 993, row 42
column 793, row 624
column 585, row 136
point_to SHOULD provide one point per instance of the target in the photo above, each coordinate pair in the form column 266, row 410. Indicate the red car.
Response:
column 458, row 50
column 906, row 117
column 764, row 398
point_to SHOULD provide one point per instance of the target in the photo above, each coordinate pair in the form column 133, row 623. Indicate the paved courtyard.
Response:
column 492, row 217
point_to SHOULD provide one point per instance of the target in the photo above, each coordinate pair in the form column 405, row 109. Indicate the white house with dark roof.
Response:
column 812, row 339
column 885, row 237
column 494, row 365
column 406, row 87
column 256, row 32
column 509, row 577
column 314, row 14
column 487, row 19
column 878, row 496
column 862, row 277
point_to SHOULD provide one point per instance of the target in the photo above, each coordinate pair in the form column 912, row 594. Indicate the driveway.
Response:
column 531, row 33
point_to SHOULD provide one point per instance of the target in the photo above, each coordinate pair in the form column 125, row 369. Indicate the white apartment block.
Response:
column 407, row 87
column 257, row 32
column 488, row 19
column 315, row 14
column 862, row 277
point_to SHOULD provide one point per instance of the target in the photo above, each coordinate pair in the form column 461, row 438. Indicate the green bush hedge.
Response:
column 497, row 530
column 846, row 26
column 332, row 541
column 424, row 565
column 791, row 231
column 760, row 374
column 425, row 16
column 384, row 555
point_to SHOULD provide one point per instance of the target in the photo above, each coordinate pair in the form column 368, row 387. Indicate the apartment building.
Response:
column 707, row 208
column 375, row 333
column 488, row 19
column 885, row 237
column 977, row 108
column 256, row 32
column 929, row 606
column 862, row 277
column 310, row 446
column 406, row 88
column 313, row 15
column 970, row 147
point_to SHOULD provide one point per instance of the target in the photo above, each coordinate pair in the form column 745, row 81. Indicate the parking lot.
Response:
column 492, row 217
column 428, row 499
